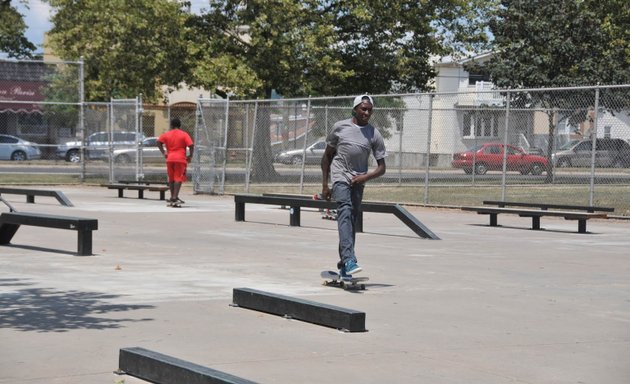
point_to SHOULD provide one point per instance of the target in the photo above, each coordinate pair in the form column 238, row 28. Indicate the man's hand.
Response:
column 326, row 194
column 359, row 179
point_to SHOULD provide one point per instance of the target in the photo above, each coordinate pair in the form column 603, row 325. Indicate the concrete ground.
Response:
column 481, row 305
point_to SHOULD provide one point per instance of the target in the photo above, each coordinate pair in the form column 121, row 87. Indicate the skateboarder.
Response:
column 345, row 162
column 176, row 142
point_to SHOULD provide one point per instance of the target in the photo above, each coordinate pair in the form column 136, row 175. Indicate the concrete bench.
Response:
column 545, row 206
column 138, row 187
column 31, row 193
column 10, row 222
column 296, row 203
column 536, row 214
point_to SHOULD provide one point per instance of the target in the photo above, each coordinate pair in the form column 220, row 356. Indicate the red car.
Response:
column 489, row 157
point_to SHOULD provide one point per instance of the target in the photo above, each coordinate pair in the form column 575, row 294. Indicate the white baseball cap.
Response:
column 359, row 99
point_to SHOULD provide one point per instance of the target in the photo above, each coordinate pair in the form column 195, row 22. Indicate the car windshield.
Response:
column 475, row 148
column 568, row 145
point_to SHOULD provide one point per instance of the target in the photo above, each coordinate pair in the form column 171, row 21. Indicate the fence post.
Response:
column 225, row 142
column 428, row 162
column 308, row 115
column 591, row 190
column 139, row 153
column 251, row 150
column 400, row 144
column 82, row 116
column 505, row 143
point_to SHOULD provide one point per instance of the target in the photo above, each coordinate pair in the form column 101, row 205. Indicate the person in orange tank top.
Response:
column 176, row 142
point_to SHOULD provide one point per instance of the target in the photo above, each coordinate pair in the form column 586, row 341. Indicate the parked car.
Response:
column 489, row 157
column 613, row 153
column 150, row 153
column 313, row 154
column 97, row 145
column 14, row 148
column 568, row 145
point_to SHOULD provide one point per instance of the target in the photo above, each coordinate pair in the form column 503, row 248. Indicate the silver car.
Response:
column 313, row 154
column 98, row 145
column 14, row 148
column 149, row 149
column 609, row 153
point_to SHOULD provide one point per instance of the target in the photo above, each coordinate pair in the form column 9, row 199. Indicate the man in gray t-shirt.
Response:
column 346, row 162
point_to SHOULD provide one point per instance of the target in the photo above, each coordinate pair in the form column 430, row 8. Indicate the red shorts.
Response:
column 176, row 172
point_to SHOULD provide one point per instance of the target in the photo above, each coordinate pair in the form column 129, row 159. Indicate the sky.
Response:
column 37, row 18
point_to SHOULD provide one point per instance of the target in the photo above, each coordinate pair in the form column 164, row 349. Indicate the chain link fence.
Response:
column 40, row 106
column 565, row 146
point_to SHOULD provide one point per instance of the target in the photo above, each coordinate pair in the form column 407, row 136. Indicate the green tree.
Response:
column 388, row 46
column 561, row 43
column 12, row 28
column 129, row 47
column 280, row 45
column 330, row 47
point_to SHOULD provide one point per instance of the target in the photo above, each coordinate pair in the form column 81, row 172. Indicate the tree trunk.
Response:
column 262, row 164
column 552, row 138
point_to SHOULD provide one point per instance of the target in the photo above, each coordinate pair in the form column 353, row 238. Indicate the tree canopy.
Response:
column 339, row 47
column 129, row 47
column 249, row 48
column 12, row 28
column 539, row 43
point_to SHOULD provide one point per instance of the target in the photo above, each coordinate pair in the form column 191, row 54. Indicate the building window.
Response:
column 473, row 78
column 31, row 124
column 481, row 124
column 607, row 130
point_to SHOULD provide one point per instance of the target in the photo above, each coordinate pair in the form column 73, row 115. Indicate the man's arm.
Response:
column 160, row 146
column 378, row 171
column 329, row 153
column 191, row 150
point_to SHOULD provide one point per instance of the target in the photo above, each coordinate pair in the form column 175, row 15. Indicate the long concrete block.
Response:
column 310, row 311
column 162, row 369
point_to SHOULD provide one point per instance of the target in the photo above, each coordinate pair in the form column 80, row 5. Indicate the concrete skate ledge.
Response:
column 162, row 369
column 305, row 310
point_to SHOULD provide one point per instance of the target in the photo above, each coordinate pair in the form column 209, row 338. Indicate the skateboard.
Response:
column 332, row 278
column 175, row 204
column 327, row 214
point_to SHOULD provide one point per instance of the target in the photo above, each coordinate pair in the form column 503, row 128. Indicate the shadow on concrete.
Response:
column 542, row 229
column 48, row 310
column 42, row 249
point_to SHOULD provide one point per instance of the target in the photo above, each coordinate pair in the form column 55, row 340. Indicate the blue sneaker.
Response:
column 352, row 267
column 343, row 274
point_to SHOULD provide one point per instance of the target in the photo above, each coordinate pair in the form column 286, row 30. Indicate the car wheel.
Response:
column 73, row 156
column 564, row 163
column 537, row 169
column 296, row 160
column 481, row 169
column 467, row 171
column 122, row 159
column 18, row 156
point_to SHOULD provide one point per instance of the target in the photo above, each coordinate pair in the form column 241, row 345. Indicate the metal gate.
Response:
column 209, row 158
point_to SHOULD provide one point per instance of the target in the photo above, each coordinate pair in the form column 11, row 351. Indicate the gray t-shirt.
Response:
column 353, row 144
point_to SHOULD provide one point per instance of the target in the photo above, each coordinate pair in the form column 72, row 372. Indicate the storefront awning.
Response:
column 21, row 96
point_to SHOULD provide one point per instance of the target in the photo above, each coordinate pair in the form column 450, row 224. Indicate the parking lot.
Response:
column 482, row 305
